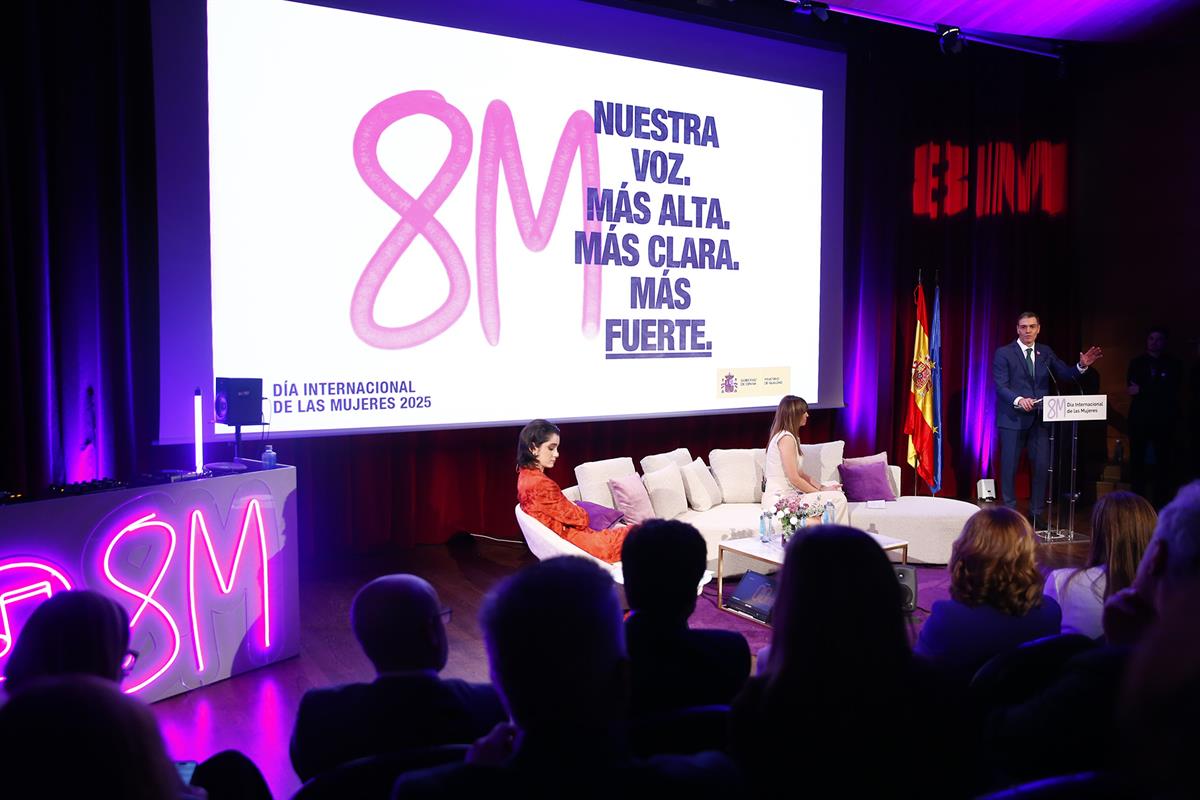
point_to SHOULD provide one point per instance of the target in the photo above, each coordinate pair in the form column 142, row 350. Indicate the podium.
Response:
column 1073, row 409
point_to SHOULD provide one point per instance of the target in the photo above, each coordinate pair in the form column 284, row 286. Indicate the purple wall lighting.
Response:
column 207, row 571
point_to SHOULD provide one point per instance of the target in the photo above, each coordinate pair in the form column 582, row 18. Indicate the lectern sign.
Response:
column 1074, row 408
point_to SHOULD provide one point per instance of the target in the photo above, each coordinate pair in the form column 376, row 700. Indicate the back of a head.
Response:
column 397, row 621
column 1161, row 700
column 556, row 644
column 79, row 736
column 1179, row 529
column 663, row 562
column 1122, row 523
column 78, row 632
column 992, row 563
column 838, row 610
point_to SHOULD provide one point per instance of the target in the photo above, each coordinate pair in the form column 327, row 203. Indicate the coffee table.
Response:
column 772, row 553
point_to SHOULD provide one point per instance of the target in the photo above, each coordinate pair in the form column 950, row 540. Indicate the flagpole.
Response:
column 917, row 466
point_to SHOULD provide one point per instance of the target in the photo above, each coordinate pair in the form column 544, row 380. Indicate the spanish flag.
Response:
column 919, row 422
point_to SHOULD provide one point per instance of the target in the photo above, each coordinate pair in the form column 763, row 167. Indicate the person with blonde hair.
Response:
column 1122, row 523
column 783, row 472
column 996, row 600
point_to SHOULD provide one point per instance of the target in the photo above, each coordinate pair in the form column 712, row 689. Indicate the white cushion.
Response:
column 760, row 468
column 723, row 522
column 737, row 474
column 667, row 494
column 894, row 479
column 702, row 490
column 821, row 461
column 679, row 456
column 593, row 477
column 867, row 459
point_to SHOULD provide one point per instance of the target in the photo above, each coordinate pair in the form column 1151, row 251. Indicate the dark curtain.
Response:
column 80, row 286
column 77, row 234
column 904, row 95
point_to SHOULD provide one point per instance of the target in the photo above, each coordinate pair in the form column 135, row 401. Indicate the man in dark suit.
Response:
column 398, row 621
column 1024, row 372
column 674, row 666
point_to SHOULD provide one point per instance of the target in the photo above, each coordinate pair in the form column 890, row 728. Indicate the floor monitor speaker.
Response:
column 908, row 586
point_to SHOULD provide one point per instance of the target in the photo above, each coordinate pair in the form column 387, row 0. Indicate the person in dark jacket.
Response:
column 996, row 600
column 397, row 620
column 556, row 647
column 1153, row 381
column 674, row 666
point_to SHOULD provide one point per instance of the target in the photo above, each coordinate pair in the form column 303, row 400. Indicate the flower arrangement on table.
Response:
column 792, row 513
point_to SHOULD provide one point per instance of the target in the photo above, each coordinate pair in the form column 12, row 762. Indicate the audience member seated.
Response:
column 78, row 736
column 843, row 688
column 557, row 650
column 996, row 599
column 1161, row 694
column 1160, row 701
column 1121, row 526
column 1080, row 706
column 82, row 632
column 1172, row 557
column 397, row 620
column 72, row 633
column 672, row 665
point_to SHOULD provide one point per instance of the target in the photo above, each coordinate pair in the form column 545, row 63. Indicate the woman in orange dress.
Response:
column 540, row 497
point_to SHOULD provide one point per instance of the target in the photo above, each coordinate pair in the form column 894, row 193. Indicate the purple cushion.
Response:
column 631, row 498
column 599, row 517
column 867, row 481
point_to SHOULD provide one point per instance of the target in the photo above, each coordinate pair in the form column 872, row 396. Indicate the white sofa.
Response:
column 929, row 524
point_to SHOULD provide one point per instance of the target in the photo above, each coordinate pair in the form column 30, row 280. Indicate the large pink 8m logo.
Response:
column 499, row 147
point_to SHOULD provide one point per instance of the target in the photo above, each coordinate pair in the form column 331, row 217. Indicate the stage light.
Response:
column 818, row 10
column 950, row 39
column 198, row 418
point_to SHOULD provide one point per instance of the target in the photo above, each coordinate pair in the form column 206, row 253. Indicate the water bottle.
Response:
column 827, row 514
column 764, row 527
column 269, row 458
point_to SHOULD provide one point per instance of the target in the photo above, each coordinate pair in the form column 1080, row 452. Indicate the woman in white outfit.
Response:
column 1122, row 523
column 783, row 471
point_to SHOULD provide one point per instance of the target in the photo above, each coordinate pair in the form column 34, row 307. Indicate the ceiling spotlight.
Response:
column 818, row 10
column 950, row 39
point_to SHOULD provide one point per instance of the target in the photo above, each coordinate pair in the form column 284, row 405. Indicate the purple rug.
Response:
column 933, row 584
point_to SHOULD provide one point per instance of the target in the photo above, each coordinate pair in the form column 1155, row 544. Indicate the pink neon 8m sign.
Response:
column 198, row 585
column 24, row 582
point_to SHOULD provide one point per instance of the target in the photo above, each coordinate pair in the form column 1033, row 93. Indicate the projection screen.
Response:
column 476, row 215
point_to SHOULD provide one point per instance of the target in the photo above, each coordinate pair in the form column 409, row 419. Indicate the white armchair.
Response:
column 545, row 543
